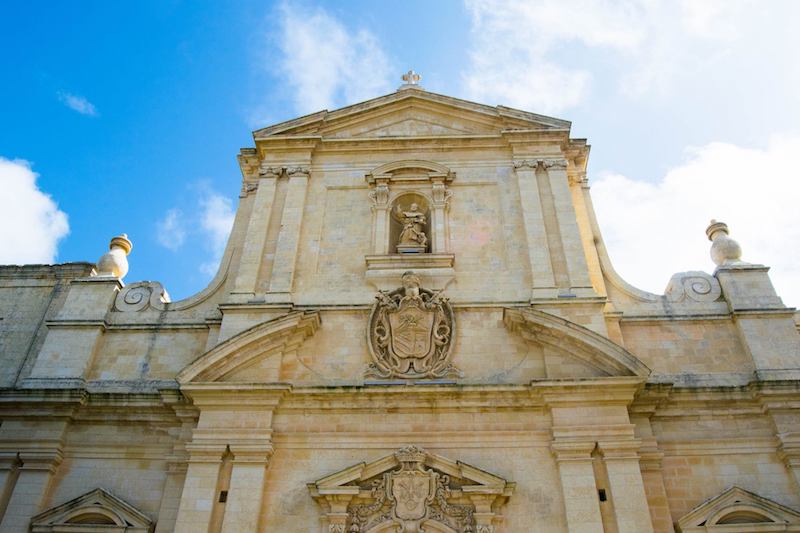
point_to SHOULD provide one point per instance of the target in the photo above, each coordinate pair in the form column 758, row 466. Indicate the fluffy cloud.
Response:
column 78, row 103
column 328, row 64
column 546, row 55
column 217, row 216
column 210, row 223
column 653, row 230
column 31, row 225
column 172, row 229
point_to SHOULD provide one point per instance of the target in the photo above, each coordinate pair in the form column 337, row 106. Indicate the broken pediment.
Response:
column 252, row 354
column 413, row 113
column 412, row 490
column 741, row 511
column 578, row 351
column 97, row 510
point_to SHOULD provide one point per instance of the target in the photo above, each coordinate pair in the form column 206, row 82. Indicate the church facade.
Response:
column 415, row 327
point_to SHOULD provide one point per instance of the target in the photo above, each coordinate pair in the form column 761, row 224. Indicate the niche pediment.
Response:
column 98, row 510
column 592, row 354
column 409, row 490
column 254, row 354
column 742, row 511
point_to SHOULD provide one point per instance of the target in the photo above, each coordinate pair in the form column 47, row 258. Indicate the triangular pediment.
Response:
column 571, row 350
column 410, row 113
column 252, row 354
column 736, row 509
column 98, row 510
column 411, row 486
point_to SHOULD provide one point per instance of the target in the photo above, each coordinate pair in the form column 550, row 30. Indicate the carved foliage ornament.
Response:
column 410, row 333
column 410, row 495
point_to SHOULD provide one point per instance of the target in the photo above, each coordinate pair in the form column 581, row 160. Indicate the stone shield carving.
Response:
column 410, row 333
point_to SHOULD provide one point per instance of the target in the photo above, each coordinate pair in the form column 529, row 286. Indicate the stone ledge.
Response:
column 384, row 272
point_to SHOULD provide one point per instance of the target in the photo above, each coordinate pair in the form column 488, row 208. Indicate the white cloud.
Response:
column 78, row 103
column 172, row 229
column 654, row 230
column 546, row 55
column 210, row 223
column 217, row 216
column 513, row 41
column 31, row 225
column 328, row 64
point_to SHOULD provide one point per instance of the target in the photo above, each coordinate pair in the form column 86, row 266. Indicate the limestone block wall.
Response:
column 29, row 295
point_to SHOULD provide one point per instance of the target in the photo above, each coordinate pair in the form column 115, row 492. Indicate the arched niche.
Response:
column 396, row 183
column 404, row 204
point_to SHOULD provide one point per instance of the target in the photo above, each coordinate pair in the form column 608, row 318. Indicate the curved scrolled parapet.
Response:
column 144, row 295
column 695, row 285
column 140, row 296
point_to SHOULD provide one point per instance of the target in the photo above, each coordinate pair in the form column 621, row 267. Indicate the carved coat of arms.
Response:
column 410, row 333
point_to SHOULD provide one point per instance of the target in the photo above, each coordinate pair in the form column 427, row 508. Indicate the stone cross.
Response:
column 411, row 77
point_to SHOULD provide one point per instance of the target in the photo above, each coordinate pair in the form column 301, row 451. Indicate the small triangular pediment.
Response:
column 413, row 112
column 96, row 510
column 462, row 473
column 254, row 354
column 736, row 509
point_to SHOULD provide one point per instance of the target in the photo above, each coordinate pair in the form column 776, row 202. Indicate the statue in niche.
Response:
column 412, row 237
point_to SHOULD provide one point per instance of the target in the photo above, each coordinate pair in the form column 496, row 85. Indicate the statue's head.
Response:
column 414, row 206
column 410, row 280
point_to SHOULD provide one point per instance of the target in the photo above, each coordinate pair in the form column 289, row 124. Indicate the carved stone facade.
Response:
column 504, row 380
column 411, row 332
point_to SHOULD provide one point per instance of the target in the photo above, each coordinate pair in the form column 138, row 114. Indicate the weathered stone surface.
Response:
column 518, row 383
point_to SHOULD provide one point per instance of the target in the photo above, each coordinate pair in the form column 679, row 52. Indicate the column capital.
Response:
column 298, row 172
column 572, row 450
column 616, row 450
column 266, row 171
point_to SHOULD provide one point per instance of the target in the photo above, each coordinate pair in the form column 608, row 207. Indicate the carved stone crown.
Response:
column 411, row 454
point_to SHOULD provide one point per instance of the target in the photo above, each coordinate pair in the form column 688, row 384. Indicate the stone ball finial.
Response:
column 114, row 263
column 724, row 250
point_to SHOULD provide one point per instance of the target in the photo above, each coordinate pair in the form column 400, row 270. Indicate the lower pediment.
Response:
column 412, row 490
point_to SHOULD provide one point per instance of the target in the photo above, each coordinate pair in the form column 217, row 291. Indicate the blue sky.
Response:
column 128, row 117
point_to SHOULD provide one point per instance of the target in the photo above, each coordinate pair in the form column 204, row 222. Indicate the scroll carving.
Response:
column 545, row 163
column 410, row 333
column 694, row 285
column 140, row 296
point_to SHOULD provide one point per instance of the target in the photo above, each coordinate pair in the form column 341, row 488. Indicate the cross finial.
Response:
column 411, row 79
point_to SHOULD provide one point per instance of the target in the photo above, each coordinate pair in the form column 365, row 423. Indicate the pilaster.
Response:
column 250, row 463
column 246, row 284
column 578, row 485
column 291, row 220
column 627, row 487
column 235, row 421
column 766, row 327
column 199, row 488
column 543, row 281
column 441, row 197
column 380, row 215
column 74, row 334
column 577, row 269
